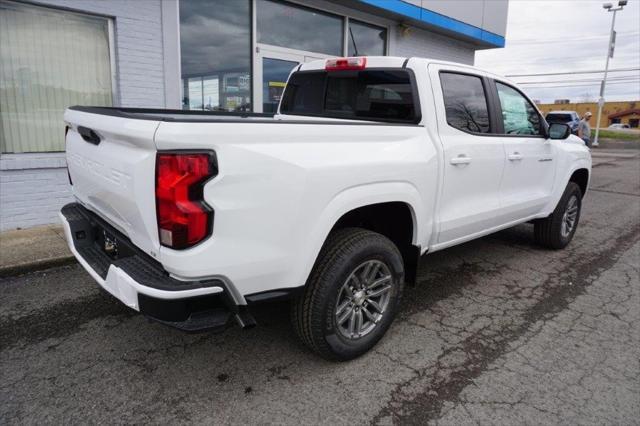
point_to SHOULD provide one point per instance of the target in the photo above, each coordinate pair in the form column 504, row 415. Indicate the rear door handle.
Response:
column 516, row 156
column 461, row 159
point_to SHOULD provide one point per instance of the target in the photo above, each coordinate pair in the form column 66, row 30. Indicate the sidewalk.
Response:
column 619, row 144
column 33, row 249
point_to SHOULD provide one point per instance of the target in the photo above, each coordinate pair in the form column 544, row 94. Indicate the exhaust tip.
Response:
column 244, row 318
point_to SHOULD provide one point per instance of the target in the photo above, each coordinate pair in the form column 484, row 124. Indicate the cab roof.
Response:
column 400, row 62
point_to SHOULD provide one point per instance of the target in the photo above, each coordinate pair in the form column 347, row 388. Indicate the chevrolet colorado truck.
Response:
column 192, row 218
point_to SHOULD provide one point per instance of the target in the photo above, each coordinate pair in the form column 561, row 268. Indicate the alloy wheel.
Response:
column 570, row 216
column 363, row 299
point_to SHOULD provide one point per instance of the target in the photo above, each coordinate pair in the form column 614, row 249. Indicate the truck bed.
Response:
column 173, row 115
column 191, row 116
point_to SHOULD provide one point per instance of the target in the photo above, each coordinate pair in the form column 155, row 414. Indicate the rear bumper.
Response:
column 140, row 282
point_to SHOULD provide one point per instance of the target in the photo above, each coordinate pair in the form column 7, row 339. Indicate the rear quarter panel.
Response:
column 281, row 188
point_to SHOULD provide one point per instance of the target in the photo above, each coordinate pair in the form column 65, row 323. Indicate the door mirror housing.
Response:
column 559, row 131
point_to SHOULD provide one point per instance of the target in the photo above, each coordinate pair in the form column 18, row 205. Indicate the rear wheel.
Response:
column 557, row 230
column 352, row 294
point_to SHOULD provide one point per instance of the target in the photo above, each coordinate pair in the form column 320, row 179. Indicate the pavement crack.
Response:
column 482, row 348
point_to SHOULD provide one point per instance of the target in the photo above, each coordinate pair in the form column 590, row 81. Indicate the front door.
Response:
column 530, row 168
column 273, row 66
column 473, row 158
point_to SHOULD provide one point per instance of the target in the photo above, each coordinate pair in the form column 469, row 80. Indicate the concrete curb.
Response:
column 37, row 265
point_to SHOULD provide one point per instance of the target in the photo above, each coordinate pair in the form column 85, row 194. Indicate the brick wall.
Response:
column 32, row 189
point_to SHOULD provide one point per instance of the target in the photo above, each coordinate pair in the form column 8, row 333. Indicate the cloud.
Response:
column 567, row 36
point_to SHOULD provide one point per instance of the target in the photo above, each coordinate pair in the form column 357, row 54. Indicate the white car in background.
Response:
column 619, row 126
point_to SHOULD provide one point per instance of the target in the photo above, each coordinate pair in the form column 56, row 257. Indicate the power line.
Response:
column 573, row 72
column 571, row 39
column 584, row 80
column 574, row 85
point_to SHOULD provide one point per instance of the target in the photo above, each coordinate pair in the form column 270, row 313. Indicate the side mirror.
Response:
column 559, row 131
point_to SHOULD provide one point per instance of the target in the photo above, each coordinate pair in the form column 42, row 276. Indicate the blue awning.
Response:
column 438, row 21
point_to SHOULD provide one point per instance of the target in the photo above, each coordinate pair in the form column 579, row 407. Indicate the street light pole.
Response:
column 610, row 47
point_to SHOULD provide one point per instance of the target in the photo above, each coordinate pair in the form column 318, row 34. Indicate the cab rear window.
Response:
column 559, row 118
column 377, row 94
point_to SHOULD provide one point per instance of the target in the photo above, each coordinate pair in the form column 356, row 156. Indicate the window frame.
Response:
column 544, row 127
column 252, row 43
column 489, row 97
column 111, row 48
column 288, row 3
column 348, row 20
column 414, row 92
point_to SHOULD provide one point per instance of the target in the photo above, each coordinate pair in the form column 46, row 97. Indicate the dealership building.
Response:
column 216, row 55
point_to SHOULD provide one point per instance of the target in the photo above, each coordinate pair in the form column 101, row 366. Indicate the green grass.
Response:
column 612, row 134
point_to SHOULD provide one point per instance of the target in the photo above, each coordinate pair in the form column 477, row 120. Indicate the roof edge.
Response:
column 434, row 20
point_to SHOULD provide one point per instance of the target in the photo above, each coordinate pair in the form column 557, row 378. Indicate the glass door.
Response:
column 272, row 68
column 274, row 78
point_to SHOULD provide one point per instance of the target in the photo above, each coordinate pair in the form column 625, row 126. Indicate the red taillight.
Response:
column 184, row 219
column 345, row 64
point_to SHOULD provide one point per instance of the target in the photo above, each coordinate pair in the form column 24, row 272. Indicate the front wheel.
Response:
column 557, row 230
column 352, row 294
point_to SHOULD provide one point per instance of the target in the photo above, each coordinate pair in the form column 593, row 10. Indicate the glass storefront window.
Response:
column 366, row 39
column 49, row 60
column 215, row 43
column 295, row 27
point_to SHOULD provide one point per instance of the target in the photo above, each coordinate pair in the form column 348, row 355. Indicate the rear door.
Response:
column 529, row 172
column 111, row 161
column 473, row 158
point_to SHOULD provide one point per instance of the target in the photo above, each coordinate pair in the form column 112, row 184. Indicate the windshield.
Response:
column 377, row 94
column 558, row 118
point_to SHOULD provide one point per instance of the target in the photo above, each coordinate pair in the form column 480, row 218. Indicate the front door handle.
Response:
column 516, row 156
column 461, row 159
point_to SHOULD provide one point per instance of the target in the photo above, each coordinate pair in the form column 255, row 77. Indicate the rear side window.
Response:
column 465, row 102
column 378, row 95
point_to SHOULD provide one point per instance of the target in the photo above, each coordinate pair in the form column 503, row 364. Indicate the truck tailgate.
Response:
column 111, row 163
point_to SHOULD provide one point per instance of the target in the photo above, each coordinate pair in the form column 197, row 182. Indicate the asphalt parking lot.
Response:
column 498, row 331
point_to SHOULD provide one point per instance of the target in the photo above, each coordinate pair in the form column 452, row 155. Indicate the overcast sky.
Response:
column 568, row 35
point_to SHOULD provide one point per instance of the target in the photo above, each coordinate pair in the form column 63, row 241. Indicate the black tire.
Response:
column 549, row 232
column 313, row 313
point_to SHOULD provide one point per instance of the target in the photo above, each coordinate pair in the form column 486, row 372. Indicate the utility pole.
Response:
column 612, row 37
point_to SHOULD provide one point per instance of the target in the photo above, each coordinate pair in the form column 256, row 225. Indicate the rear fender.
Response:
column 360, row 196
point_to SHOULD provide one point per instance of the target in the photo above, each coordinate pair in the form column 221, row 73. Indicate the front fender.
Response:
column 563, row 181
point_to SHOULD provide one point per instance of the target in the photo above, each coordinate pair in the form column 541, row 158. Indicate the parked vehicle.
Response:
column 618, row 126
column 193, row 217
column 570, row 118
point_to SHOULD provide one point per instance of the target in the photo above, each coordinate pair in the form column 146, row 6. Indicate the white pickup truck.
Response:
column 193, row 217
